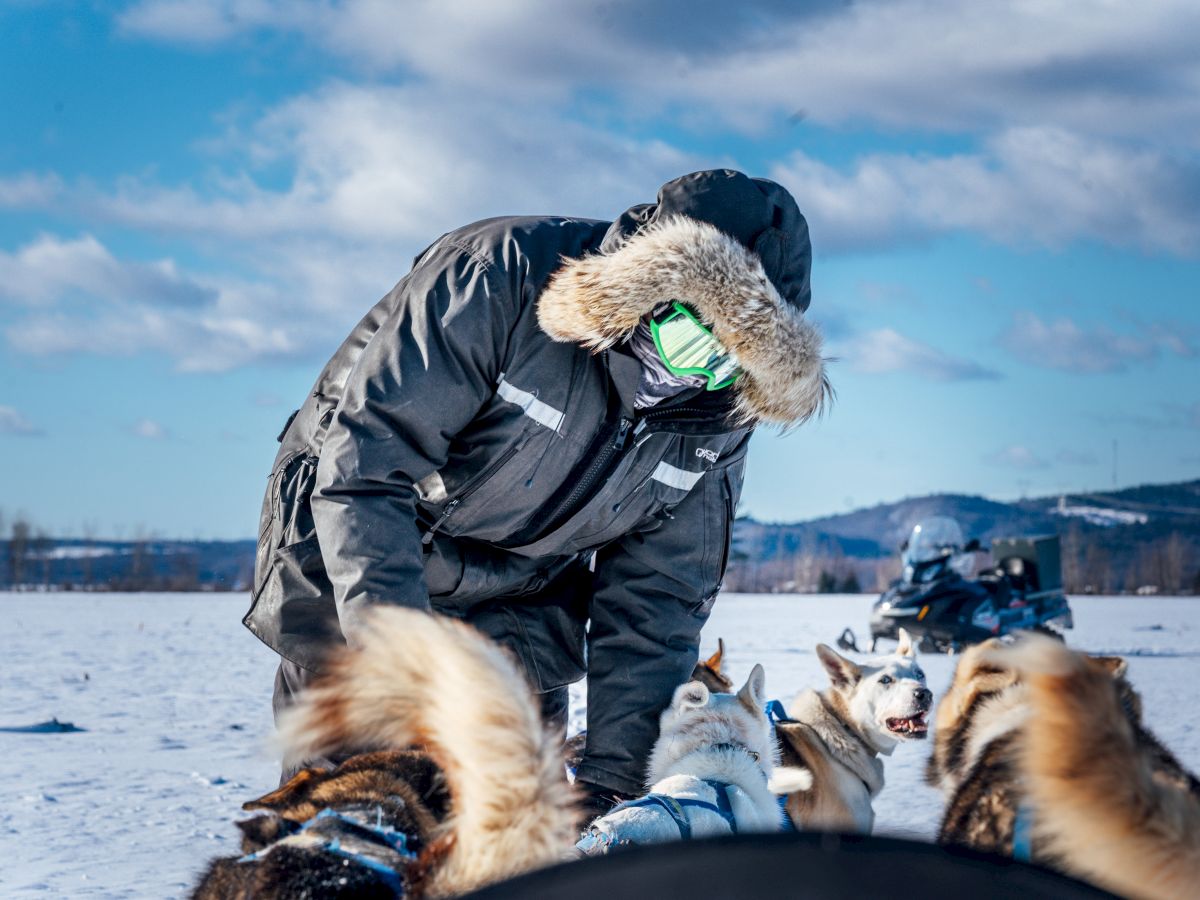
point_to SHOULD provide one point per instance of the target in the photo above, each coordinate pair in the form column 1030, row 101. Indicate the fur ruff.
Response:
column 1102, row 805
column 847, row 748
column 421, row 679
column 985, row 701
column 599, row 299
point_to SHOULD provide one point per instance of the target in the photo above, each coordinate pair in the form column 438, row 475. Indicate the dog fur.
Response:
column 717, row 737
column 706, row 671
column 1059, row 733
column 1110, row 803
column 599, row 300
column 402, row 789
column 418, row 679
column 839, row 734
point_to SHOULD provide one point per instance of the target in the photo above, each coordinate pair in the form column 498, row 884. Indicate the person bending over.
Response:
column 542, row 429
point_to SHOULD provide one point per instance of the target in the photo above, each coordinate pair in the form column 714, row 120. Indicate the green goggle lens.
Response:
column 687, row 347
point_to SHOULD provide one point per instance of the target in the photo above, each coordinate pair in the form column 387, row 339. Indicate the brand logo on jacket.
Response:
column 710, row 455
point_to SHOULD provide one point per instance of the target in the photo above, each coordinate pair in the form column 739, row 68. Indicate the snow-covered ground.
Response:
column 174, row 695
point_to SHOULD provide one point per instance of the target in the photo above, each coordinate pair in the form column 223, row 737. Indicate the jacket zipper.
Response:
column 466, row 492
column 599, row 468
column 605, row 461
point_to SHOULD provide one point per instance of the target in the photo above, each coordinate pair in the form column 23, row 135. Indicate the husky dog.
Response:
column 1039, row 739
column 433, row 681
column 712, row 771
column 974, row 759
column 706, row 671
column 839, row 734
column 401, row 789
column 979, row 729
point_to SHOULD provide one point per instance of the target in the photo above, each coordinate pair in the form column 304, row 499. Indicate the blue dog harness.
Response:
column 387, row 838
column 599, row 842
column 776, row 713
column 1023, row 833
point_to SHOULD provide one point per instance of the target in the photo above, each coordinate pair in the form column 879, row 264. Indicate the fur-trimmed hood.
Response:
column 599, row 299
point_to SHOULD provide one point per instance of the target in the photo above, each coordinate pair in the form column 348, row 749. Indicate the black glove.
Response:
column 597, row 801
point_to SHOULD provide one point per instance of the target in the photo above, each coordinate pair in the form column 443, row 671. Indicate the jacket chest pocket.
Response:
column 482, row 507
column 652, row 491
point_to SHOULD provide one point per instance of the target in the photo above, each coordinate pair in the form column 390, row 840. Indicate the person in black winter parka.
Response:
column 498, row 440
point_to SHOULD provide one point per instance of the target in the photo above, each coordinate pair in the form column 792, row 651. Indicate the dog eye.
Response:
column 885, row 679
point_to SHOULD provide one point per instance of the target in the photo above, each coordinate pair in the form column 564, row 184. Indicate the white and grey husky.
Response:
column 714, row 770
column 840, row 733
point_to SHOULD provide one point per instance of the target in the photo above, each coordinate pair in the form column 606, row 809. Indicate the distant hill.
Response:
column 1112, row 541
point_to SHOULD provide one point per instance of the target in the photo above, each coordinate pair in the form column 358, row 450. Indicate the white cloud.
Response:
column 29, row 189
column 1066, row 345
column 1016, row 456
column 1093, row 66
column 376, row 173
column 191, row 22
column 386, row 163
column 74, row 296
column 885, row 350
column 150, row 430
column 48, row 268
column 1029, row 185
column 13, row 422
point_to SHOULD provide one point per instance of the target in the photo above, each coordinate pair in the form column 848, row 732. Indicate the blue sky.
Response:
column 198, row 200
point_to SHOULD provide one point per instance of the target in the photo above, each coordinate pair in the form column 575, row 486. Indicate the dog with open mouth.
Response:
column 840, row 733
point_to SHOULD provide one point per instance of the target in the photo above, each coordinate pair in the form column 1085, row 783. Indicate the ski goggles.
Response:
column 687, row 347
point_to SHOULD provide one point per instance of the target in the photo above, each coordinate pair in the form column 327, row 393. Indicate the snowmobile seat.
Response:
column 819, row 866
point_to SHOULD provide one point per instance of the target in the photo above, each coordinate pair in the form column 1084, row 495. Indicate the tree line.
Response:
column 1093, row 562
column 32, row 558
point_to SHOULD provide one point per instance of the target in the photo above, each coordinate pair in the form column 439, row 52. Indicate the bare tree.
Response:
column 42, row 545
column 1174, row 557
column 18, row 551
column 185, row 570
column 87, row 553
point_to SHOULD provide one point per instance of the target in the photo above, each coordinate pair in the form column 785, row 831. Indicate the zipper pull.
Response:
column 621, row 441
column 427, row 538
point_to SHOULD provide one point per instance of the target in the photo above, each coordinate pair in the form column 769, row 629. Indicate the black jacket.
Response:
column 474, row 441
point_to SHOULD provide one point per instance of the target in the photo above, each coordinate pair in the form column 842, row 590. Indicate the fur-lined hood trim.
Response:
column 598, row 300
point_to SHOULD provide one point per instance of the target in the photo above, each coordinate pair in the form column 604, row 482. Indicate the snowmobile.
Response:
column 944, row 605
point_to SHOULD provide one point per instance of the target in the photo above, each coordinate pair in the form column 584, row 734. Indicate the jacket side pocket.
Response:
column 294, row 612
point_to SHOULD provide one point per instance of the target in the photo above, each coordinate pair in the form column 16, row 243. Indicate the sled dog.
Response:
column 839, row 734
column 713, row 770
column 285, row 849
column 435, row 682
column 1043, row 755
column 706, row 671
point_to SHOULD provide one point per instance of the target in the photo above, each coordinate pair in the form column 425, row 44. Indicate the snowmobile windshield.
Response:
column 931, row 539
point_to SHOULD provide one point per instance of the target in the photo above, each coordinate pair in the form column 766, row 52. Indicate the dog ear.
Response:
column 905, row 647
column 753, row 693
column 294, row 792
column 714, row 661
column 692, row 695
column 842, row 672
column 1116, row 666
